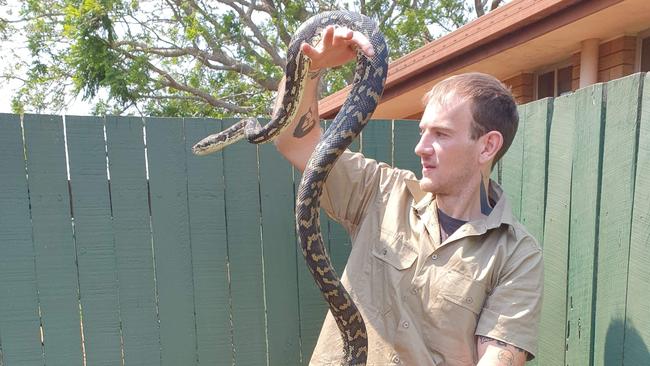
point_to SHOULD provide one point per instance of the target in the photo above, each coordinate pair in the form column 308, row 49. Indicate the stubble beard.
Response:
column 447, row 184
column 430, row 185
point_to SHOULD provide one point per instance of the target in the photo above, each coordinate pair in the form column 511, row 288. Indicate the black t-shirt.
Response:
column 448, row 225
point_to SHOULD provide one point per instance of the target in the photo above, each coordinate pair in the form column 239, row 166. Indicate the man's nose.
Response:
column 423, row 147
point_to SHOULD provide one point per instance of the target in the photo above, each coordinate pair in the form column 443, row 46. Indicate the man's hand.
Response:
column 492, row 352
column 337, row 46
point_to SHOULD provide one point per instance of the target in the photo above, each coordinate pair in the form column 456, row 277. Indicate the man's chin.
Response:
column 427, row 185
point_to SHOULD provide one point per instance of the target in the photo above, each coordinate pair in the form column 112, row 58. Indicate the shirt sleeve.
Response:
column 351, row 186
column 512, row 310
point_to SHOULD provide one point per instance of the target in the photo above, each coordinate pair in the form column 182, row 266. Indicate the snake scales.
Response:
column 367, row 87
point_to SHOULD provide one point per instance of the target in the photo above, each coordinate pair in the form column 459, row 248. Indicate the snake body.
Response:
column 367, row 88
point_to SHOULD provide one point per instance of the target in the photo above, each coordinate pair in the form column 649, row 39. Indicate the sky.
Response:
column 7, row 89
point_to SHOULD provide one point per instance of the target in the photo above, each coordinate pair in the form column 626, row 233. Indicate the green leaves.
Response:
column 186, row 57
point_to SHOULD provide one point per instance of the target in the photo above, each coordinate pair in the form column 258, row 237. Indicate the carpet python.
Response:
column 367, row 88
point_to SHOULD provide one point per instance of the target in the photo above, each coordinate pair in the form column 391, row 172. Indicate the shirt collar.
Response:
column 421, row 199
column 501, row 212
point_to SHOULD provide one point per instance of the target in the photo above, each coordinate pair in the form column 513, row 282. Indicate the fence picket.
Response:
column 533, row 189
column 615, row 218
column 245, row 252
column 171, row 240
column 405, row 137
column 556, row 232
column 19, row 320
column 206, row 200
column 637, row 327
column 589, row 121
column 133, row 241
column 280, row 257
column 94, row 240
column 56, row 269
column 377, row 140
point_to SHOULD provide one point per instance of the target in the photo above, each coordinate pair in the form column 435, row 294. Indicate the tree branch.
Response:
column 29, row 19
column 479, row 7
column 382, row 21
column 277, row 20
column 168, row 81
column 204, row 57
column 264, row 43
column 495, row 4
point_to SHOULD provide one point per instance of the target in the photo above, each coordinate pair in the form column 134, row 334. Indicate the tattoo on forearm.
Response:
column 484, row 339
column 306, row 123
column 506, row 357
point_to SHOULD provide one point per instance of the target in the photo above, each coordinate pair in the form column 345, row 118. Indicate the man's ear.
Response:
column 491, row 143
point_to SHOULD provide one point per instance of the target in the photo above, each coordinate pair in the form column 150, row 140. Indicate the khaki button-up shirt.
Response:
column 423, row 301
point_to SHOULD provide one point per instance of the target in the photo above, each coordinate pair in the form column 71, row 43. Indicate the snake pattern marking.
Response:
column 367, row 88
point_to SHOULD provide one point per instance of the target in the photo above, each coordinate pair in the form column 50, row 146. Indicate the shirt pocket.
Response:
column 463, row 291
column 389, row 267
column 394, row 251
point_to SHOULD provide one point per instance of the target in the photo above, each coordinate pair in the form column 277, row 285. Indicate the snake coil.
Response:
column 367, row 88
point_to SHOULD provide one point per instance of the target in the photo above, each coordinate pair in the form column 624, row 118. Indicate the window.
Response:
column 555, row 82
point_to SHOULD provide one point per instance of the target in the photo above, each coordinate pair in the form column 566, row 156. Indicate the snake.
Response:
column 367, row 88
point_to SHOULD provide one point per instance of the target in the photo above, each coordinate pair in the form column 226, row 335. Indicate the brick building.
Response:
column 540, row 48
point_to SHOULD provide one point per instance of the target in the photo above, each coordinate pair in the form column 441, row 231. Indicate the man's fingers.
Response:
column 341, row 36
column 328, row 35
column 337, row 46
column 363, row 44
column 308, row 50
column 353, row 40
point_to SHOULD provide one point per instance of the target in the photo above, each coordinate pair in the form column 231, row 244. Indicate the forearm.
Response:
column 338, row 45
column 493, row 352
column 298, row 140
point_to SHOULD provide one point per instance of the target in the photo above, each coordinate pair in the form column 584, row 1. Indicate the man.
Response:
column 440, row 269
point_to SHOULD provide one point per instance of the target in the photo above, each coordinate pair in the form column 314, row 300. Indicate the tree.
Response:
column 480, row 6
column 187, row 57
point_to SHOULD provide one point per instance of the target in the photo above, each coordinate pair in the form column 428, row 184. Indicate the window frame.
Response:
column 548, row 68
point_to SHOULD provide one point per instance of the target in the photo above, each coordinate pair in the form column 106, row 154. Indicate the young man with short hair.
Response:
column 441, row 271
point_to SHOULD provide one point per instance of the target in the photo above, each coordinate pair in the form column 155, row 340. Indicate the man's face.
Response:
column 448, row 155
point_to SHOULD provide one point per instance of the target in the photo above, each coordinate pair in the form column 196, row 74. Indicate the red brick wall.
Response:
column 616, row 58
column 522, row 87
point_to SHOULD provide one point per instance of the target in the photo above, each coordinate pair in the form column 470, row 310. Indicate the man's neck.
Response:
column 468, row 203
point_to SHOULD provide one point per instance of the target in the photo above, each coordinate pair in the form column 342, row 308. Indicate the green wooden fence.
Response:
column 140, row 253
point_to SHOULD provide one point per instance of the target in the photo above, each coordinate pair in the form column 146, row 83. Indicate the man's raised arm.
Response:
column 337, row 47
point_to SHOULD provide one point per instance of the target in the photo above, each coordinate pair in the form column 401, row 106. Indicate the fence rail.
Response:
column 119, row 247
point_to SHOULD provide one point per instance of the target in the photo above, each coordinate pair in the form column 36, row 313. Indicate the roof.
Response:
column 516, row 37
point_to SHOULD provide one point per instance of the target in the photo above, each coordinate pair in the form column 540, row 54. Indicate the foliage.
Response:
column 184, row 57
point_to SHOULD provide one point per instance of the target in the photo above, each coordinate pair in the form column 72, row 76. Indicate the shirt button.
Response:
column 469, row 300
column 384, row 251
column 434, row 257
column 405, row 324
column 396, row 359
column 414, row 291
